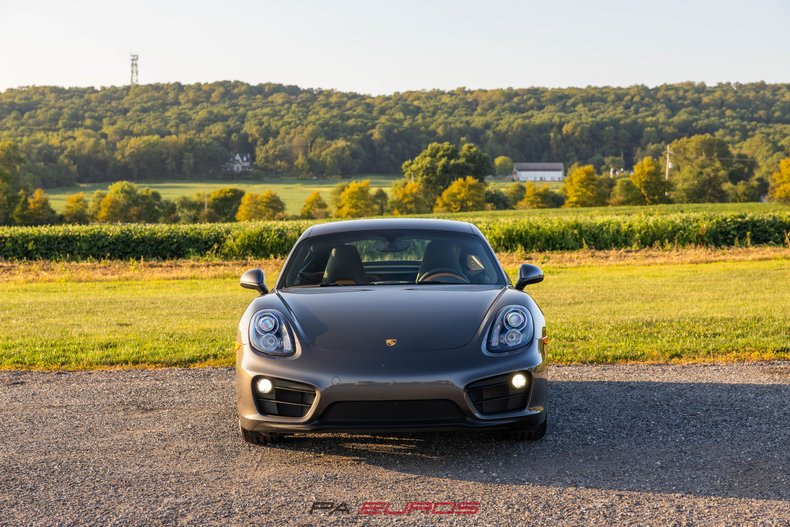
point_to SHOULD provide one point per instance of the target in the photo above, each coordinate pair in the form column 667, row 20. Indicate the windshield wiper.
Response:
column 328, row 284
column 439, row 282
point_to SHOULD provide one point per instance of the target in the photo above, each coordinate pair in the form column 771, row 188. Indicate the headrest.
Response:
column 345, row 267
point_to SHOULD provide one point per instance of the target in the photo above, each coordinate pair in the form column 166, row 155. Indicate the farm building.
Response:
column 539, row 171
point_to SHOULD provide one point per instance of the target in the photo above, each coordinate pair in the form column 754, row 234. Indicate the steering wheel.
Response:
column 442, row 272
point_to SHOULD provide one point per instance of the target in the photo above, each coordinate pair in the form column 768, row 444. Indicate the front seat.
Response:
column 440, row 262
column 345, row 267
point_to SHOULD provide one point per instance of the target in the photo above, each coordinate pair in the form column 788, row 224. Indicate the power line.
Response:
column 669, row 153
column 742, row 159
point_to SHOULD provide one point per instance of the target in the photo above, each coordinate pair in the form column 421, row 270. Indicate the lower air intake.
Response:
column 496, row 395
column 408, row 411
column 287, row 399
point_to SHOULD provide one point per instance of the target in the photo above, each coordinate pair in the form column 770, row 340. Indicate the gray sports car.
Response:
column 391, row 325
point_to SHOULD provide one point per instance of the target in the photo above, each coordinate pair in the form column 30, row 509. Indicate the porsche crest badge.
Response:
column 391, row 342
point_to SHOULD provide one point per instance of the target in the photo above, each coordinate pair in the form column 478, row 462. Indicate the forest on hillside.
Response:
column 176, row 131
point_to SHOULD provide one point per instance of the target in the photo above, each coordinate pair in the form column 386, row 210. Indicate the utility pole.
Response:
column 135, row 79
column 667, row 165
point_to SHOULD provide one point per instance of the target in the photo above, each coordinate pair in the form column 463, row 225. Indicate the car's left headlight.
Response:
column 270, row 333
column 513, row 328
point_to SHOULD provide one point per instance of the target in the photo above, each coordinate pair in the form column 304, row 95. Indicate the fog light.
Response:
column 519, row 380
column 265, row 385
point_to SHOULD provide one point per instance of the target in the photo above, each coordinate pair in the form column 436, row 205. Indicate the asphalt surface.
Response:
column 627, row 445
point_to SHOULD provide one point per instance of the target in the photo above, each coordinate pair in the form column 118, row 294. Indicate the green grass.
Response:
column 292, row 191
column 596, row 314
column 664, row 313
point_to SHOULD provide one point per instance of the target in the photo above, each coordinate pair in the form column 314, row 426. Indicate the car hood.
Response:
column 361, row 319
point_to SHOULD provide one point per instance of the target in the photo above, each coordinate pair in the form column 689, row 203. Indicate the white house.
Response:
column 240, row 163
column 539, row 171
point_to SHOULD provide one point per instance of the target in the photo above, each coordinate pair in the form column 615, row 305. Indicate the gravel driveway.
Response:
column 627, row 445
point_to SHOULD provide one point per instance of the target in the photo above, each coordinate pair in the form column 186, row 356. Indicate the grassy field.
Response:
column 616, row 306
column 628, row 210
column 293, row 191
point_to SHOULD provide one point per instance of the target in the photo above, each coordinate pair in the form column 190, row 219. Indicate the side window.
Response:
column 473, row 263
column 474, row 266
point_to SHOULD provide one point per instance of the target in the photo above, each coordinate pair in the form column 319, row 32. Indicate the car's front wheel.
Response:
column 258, row 438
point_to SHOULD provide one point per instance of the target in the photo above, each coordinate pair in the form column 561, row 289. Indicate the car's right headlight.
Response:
column 270, row 333
column 513, row 328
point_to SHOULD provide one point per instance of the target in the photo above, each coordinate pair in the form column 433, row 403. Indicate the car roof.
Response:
column 389, row 223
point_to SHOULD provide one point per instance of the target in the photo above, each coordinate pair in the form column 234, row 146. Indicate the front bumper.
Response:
column 409, row 392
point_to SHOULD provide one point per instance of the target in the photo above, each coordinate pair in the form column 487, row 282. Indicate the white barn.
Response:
column 539, row 171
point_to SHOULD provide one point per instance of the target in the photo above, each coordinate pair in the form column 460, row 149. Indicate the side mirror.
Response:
column 254, row 279
column 528, row 274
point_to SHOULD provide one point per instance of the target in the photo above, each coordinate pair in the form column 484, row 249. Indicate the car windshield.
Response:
column 386, row 257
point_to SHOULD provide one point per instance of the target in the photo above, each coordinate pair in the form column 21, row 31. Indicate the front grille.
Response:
column 408, row 411
column 497, row 395
column 287, row 399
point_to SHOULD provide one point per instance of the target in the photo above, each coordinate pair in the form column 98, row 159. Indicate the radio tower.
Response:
column 135, row 79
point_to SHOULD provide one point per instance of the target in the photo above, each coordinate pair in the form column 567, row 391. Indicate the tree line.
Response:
column 442, row 178
column 171, row 131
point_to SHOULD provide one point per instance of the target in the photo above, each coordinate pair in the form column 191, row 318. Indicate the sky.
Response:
column 380, row 47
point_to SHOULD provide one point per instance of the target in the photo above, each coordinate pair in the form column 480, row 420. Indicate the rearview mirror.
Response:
column 528, row 274
column 254, row 279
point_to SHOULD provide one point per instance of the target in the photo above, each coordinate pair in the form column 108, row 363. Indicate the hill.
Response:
column 176, row 131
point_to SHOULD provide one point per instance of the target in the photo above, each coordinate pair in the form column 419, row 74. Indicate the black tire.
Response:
column 528, row 435
column 259, row 438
